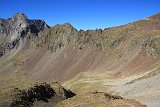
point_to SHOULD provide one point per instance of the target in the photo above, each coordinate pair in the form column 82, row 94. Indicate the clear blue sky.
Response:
column 82, row 14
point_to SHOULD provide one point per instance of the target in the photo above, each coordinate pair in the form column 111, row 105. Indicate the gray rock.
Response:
column 16, row 28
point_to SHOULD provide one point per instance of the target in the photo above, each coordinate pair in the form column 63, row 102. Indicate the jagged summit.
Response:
column 19, row 23
column 20, row 15
column 16, row 28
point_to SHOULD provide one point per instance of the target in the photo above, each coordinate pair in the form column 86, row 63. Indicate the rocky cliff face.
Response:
column 16, row 28
column 57, row 36
column 143, row 33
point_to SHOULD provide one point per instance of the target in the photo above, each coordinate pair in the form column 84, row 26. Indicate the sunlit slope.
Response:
column 126, row 58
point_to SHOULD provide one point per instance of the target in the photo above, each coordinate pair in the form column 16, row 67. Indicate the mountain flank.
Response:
column 121, row 61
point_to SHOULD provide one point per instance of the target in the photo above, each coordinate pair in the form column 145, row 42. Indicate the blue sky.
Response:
column 82, row 14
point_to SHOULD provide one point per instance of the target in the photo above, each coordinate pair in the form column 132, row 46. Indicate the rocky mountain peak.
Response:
column 19, row 16
column 66, row 26
column 18, row 27
column 18, row 24
column 57, row 36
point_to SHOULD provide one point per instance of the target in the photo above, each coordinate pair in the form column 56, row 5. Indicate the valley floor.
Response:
column 143, row 90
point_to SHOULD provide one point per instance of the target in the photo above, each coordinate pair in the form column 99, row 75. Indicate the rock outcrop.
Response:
column 57, row 36
column 40, row 92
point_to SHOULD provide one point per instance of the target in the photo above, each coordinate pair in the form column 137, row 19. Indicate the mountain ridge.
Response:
column 118, row 59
